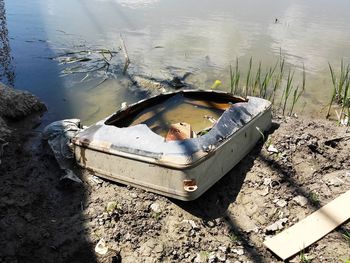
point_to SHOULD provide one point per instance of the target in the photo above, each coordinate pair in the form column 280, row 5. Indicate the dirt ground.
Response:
column 45, row 219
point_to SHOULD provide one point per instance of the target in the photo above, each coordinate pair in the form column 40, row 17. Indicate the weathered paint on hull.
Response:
column 186, row 183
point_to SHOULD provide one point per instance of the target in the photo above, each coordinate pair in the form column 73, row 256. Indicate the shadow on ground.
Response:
column 215, row 202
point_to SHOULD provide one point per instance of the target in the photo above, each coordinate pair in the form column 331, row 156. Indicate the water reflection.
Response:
column 167, row 38
column 7, row 73
column 309, row 37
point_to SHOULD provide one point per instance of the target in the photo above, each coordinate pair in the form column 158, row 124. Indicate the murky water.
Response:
column 200, row 114
column 166, row 38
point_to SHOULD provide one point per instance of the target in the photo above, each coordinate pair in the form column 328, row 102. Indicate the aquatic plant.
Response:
column 248, row 76
column 296, row 94
column 341, row 93
column 234, row 77
column 269, row 83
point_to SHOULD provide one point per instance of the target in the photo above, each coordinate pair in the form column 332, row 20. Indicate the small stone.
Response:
column 111, row 206
column 212, row 257
column 281, row 203
column 300, row 200
column 223, row 249
column 267, row 181
column 272, row 149
column 158, row 248
column 278, row 225
column 201, row 257
column 334, row 178
column 155, row 207
column 192, row 223
column 238, row 251
column 265, row 191
column 133, row 195
column 221, row 256
column 210, row 223
column 29, row 217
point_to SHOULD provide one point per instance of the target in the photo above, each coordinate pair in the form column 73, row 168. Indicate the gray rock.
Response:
column 238, row 251
column 212, row 257
column 201, row 257
column 267, row 181
column 281, row 203
column 278, row 225
column 155, row 207
column 272, row 149
column 300, row 200
column 222, row 249
column 265, row 191
column 334, row 178
column 221, row 256
column 192, row 224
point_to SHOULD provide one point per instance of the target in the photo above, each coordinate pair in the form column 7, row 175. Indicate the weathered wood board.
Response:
column 311, row 228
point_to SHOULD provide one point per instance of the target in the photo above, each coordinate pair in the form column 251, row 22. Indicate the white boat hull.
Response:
column 184, row 183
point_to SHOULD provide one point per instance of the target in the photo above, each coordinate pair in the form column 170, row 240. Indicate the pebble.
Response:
column 212, row 257
column 133, row 195
column 278, row 225
column 267, row 181
column 223, row 249
column 281, row 203
column 29, row 217
column 210, row 223
column 300, row 200
column 111, row 206
column 221, row 256
column 238, row 251
column 265, row 191
column 272, row 149
column 200, row 258
column 155, row 207
column 192, row 223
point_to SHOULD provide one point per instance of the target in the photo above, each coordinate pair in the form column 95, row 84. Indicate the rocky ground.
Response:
column 302, row 165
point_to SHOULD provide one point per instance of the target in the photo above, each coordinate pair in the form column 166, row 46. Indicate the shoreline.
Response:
column 44, row 220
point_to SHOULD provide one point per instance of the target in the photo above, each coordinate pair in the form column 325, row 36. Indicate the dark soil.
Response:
column 44, row 219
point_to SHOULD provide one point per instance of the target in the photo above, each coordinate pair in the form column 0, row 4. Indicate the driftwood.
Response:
column 127, row 60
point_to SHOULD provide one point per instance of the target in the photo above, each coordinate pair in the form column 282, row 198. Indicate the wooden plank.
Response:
column 311, row 228
column 180, row 131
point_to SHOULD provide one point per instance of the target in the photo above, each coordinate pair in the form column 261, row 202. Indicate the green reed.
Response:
column 287, row 90
column 268, row 83
column 234, row 77
column 341, row 92
column 248, row 77
column 297, row 93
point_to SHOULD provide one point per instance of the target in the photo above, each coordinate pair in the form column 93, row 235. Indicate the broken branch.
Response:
column 127, row 60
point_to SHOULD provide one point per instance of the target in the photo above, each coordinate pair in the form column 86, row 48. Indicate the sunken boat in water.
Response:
column 176, row 144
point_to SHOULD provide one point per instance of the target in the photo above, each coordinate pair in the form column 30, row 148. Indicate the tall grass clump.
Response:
column 268, row 83
column 298, row 91
column 234, row 78
column 341, row 92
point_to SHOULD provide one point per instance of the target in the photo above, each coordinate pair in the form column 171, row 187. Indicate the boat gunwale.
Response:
column 156, row 161
column 157, row 99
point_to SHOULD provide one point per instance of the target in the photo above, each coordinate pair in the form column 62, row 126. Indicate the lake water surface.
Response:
column 166, row 38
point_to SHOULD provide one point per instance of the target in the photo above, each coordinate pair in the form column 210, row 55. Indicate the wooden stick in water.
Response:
column 127, row 60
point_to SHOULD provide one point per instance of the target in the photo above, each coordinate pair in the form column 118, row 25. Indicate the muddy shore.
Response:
column 44, row 219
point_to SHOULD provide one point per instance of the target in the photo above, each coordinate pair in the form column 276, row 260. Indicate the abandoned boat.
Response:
column 176, row 144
